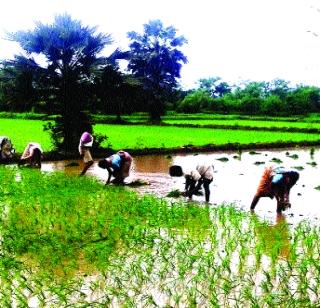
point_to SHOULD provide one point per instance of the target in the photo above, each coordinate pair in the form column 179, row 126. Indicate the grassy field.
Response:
column 104, row 246
column 23, row 131
column 139, row 137
column 145, row 136
column 246, row 123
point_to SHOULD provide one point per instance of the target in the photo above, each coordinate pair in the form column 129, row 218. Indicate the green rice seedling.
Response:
column 294, row 156
column 254, row 153
column 312, row 151
column 257, row 163
column 313, row 163
column 223, row 159
column 239, row 151
column 176, row 193
column 299, row 168
column 276, row 160
column 138, row 183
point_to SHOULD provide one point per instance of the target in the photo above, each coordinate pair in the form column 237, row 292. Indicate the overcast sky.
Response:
column 236, row 40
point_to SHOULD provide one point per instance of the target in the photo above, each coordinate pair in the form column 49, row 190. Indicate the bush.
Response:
column 273, row 105
column 195, row 102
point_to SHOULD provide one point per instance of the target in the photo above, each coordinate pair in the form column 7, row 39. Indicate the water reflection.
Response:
column 274, row 238
column 152, row 164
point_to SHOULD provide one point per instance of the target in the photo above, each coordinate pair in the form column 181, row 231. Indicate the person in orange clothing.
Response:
column 276, row 182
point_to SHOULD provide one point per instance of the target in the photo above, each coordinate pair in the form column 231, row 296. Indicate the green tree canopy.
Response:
column 71, row 54
column 214, row 86
column 154, row 57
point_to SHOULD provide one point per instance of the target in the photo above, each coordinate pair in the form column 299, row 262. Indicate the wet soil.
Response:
column 235, row 181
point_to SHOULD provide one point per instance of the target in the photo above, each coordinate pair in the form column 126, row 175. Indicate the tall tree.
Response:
column 71, row 53
column 116, row 92
column 18, row 92
column 155, row 59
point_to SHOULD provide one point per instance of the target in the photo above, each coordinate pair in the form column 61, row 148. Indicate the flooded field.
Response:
column 236, row 178
column 68, row 242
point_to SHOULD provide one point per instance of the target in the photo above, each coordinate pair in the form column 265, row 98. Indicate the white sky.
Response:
column 234, row 39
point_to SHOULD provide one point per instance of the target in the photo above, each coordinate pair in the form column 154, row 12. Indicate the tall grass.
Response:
column 70, row 241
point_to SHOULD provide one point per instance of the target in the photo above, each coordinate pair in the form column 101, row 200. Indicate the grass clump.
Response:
column 312, row 163
column 276, row 160
column 299, row 168
column 223, row 159
column 176, row 193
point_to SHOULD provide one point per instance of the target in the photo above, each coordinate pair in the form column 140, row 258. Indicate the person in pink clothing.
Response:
column 33, row 154
column 85, row 145
column 117, row 165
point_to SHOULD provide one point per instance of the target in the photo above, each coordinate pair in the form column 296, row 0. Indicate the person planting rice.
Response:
column 202, row 175
column 276, row 182
column 6, row 149
column 118, row 165
column 85, row 145
column 33, row 154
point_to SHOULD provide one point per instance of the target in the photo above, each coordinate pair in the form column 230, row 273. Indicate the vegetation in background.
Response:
column 77, row 81
column 275, row 98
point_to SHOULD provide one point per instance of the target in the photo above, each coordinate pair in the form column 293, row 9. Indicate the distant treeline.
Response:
column 275, row 98
column 254, row 98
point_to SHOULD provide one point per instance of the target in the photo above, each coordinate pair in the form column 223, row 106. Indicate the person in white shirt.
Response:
column 202, row 175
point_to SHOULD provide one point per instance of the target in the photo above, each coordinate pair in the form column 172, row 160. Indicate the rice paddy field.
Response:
column 141, row 136
column 71, row 241
column 272, row 124
column 137, row 137
column 106, row 246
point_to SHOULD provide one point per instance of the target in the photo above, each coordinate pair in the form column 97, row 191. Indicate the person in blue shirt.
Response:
column 276, row 182
column 118, row 165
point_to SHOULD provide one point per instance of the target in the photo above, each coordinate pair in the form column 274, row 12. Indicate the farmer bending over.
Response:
column 33, row 154
column 276, row 182
column 85, row 145
column 202, row 175
column 118, row 165
column 6, row 149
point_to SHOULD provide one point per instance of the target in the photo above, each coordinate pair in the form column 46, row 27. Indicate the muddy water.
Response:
column 235, row 180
